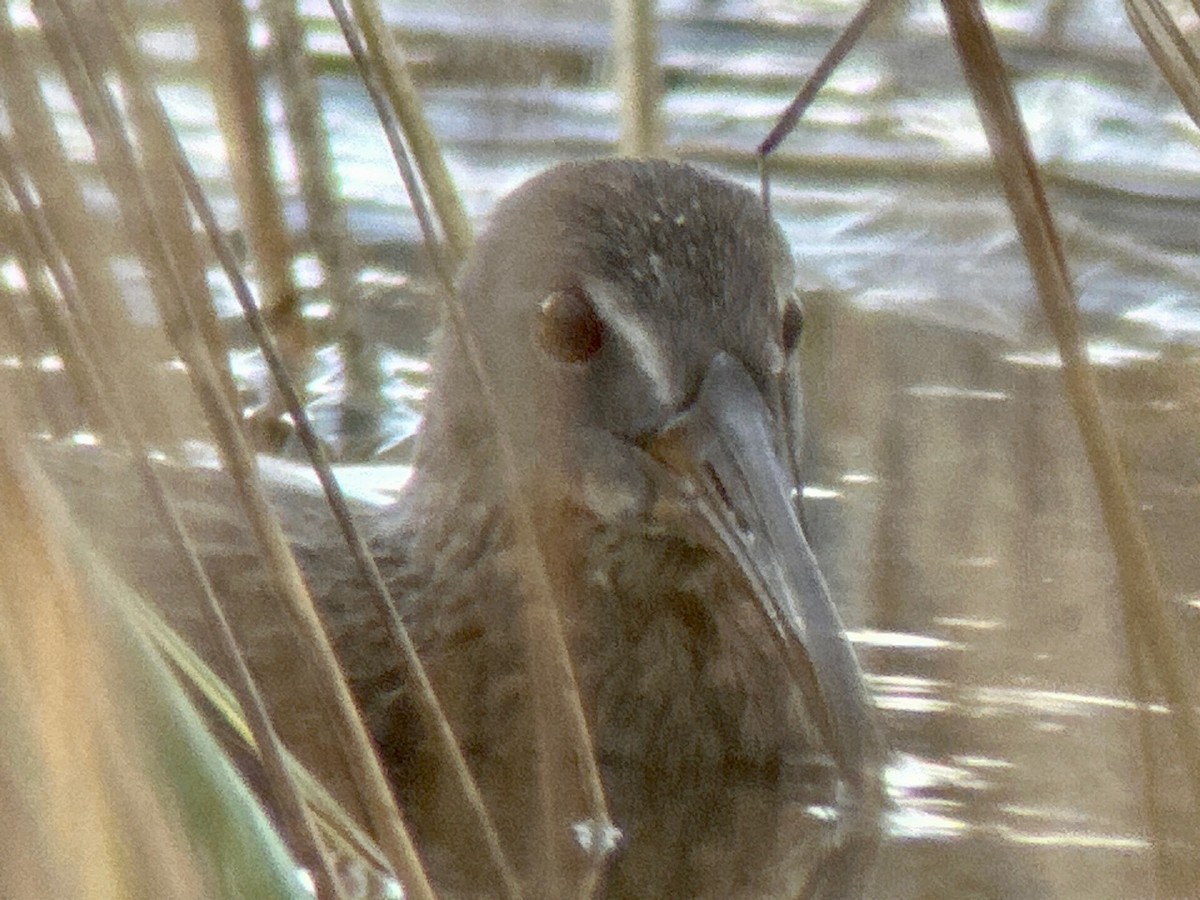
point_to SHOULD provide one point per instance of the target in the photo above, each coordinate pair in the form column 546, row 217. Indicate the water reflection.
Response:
column 986, row 605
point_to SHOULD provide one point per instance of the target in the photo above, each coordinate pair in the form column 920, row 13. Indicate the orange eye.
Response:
column 569, row 329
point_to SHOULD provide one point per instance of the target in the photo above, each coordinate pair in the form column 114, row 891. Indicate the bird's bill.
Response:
column 723, row 449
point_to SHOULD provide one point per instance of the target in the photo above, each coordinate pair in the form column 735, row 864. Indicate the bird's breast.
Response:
column 680, row 671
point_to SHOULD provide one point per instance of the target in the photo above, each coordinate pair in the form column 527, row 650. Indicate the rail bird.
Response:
column 633, row 383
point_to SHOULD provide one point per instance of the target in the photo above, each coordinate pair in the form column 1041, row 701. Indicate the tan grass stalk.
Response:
column 58, row 300
column 317, row 456
column 569, row 787
column 326, row 214
column 116, row 405
column 639, row 77
column 164, row 247
column 35, row 406
column 39, row 406
column 310, row 144
column 1170, row 50
column 808, row 92
column 346, row 727
column 223, row 37
column 426, row 151
column 173, row 215
column 62, row 753
column 86, row 242
column 111, row 785
column 223, row 34
column 1148, row 627
column 340, row 830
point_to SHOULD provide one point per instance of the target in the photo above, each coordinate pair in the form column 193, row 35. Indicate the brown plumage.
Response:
column 634, row 325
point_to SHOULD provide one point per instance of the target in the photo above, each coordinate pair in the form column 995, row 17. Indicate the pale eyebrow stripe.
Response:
column 646, row 352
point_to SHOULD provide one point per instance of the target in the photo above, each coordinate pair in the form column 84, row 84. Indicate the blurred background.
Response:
column 949, row 497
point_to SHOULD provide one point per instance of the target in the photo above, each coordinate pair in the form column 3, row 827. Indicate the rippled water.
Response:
column 968, row 540
column 950, row 501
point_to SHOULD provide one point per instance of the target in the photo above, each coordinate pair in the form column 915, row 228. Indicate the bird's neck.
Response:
column 672, row 656
column 684, row 692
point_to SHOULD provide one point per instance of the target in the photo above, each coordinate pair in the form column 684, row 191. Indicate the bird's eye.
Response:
column 569, row 328
column 793, row 323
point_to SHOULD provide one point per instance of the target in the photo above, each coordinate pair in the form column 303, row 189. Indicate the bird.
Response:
column 625, row 378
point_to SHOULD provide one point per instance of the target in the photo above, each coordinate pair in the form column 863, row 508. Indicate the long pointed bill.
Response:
column 724, row 448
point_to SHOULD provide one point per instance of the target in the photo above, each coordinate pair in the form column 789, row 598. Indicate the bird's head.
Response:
column 635, row 325
column 598, row 298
